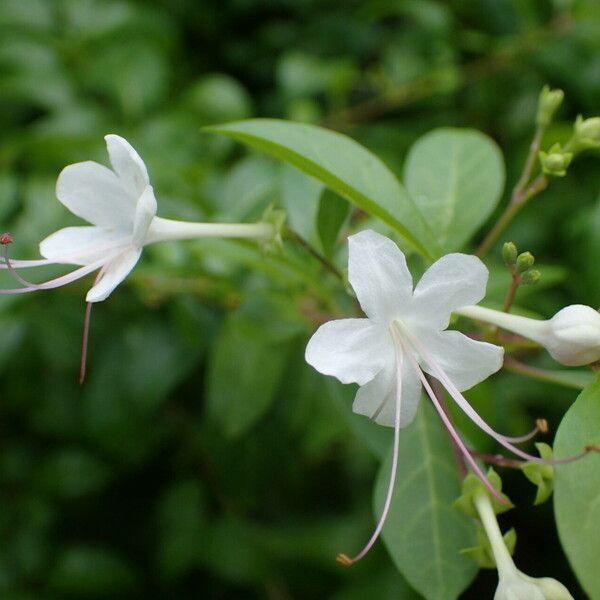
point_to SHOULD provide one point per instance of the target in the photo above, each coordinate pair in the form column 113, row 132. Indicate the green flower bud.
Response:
column 586, row 135
column 525, row 261
column 548, row 103
column 530, row 277
column 555, row 161
column 509, row 254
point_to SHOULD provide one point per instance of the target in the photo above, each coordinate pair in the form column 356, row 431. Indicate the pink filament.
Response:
column 453, row 432
column 59, row 281
column 474, row 416
column 342, row 558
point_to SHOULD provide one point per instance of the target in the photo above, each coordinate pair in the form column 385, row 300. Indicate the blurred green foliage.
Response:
column 203, row 457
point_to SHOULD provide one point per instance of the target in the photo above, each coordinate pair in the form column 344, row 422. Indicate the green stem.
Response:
column 315, row 253
column 512, row 290
column 518, row 201
column 504, row 563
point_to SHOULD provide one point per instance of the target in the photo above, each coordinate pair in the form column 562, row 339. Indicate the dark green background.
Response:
column 203, row 457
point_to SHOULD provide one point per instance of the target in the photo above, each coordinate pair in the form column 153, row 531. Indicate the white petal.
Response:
column 353, row 350
column 465, row 361
column 82, row 245
column 453, row 281
column 144, row 213
column 378, row 274
column 378, row 397
column 127, row 165
column 95, row 193
column 116, row 270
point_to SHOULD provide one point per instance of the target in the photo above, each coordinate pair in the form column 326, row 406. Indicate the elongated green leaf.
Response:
column 342, row 165
column 456, row 177
column 423, row 533
column 577, row 488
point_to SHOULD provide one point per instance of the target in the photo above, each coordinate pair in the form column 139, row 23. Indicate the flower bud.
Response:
column 525, row 261
column 555, row 161
column 530, row 277
column 586, row 135
column 519, row 586
column 571, row 336
column 574, row 337
column 509, row 254
column 548, row 103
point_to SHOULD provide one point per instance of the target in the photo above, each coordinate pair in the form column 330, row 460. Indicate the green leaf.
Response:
column 577, row 488
column 301, row 199
column 344, row 166
column 333, row 211
column 423, row 533
column 456, row 177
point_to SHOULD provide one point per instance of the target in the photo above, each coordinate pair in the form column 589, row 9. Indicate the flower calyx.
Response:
column 541, row 475
column 472, row 486
column 275, row 218
column 556, row 161
column 482, row 553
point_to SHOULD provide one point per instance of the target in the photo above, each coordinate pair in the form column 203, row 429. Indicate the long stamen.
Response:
column 474, row 415
column 59, row 281
column 84, row 343
column 452, row 430
column 25, row 264
column 343, row 558
column 12, row 271
column 86, row 331
column 541, row 426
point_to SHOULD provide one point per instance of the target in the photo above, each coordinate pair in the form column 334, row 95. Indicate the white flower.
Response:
column 121, row 207
column 402, row 337
column 512, row 583
column 363, row 350
column 571, row 336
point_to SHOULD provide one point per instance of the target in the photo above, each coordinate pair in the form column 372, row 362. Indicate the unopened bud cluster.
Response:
column 520, row 264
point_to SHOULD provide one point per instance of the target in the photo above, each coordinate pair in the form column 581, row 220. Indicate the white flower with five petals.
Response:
column 402, row 338
column 121, row 207
column 362, row 350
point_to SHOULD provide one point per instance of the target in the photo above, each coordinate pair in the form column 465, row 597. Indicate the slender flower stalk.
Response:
column 513, row 584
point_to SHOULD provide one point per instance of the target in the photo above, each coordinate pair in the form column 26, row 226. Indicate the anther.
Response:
column 5, row 238
column 592, row 448
column 344, row 559
column 542, row 425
